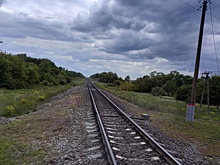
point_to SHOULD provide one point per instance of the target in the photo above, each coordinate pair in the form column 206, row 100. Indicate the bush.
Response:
column 24, row 101
column 117, row 82
column 126, row 86
column 9, row 110
column 41, row 98
column 45, row 83
column 158, row 91
column 183, row 93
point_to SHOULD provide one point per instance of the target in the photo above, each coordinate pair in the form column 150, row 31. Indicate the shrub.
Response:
column 183, row 93
column 158, row 91
column 126, row 86
column 24, row 101
column 205, row 117
column 41, row 98
column 45, row 83
column 117, row 82
column 9, row 110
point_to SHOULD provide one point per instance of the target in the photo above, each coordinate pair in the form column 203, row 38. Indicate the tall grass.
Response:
column 163, row 104
column 149, row 102
column 22, row 101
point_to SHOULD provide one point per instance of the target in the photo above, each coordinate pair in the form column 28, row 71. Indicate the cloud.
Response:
column 111, row 35
column 1, row 2
column 144, row 29
column 161, row 29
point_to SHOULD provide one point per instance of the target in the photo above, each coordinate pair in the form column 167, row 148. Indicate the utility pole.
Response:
column 206, row 84
column 191, row 104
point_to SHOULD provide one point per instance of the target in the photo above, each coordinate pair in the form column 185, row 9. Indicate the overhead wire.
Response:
column 188, row 4
column 213, row 34
column 197, row 9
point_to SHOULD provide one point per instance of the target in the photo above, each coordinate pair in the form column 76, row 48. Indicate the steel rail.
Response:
column 111, row 156
column 167, row 156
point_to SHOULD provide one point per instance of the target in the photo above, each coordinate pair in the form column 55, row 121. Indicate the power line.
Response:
column 213, row 34
column 197, row 9
column 188, row 4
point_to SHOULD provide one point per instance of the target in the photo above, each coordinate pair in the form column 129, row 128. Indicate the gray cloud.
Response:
column 118, row 30
column 1, row 2
column 22, row 25
column 173, row 25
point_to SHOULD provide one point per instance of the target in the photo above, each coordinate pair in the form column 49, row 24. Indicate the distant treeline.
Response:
column 160, row 84
column 20, row 71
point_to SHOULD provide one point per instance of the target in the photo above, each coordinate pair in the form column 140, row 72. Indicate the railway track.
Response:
column 125, row 142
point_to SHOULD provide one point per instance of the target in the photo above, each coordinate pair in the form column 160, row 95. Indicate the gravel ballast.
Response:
column 71, row 135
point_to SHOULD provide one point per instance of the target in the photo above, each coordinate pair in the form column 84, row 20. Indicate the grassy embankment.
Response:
column 16, row 137
column 169, row 116
column 22, row 101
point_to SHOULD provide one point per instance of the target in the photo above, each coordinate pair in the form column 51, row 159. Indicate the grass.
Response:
column 15, row 148
column 25, row 141
column 22, row 101
column 169, row 116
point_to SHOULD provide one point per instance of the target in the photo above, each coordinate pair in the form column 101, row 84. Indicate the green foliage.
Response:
column 183, row 93
column 15, row 143
column 170, row 87
column 41, row 98
column 126, row 86
column 158, row 83
column 20, row 71
column 117, row 82
column 105, row 77
column 45, row 83
column 22, row 101
column 214, row 90
column 9, row 110
column 127, row 78
column 158, row 91
column 169, row 82
column 145, row 84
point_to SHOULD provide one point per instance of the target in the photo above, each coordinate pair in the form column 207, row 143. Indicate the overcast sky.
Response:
column 129, row 37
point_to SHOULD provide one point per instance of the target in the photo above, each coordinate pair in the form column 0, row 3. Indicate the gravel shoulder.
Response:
column 186, row 153
column 59, row 132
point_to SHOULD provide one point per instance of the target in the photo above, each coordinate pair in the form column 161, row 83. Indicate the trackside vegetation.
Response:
column 25, row 82
column 20, row 71
column 173, row 84
column 169, row 115
column 23, row 101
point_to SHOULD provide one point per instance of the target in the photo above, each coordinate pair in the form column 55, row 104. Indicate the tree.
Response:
column 127, row 86
column 158, row 91
column 214, row 90
column 170, row 87
column 20, row 71
column 105, row 77
column 183, row 93
column 32, row 72
column 127, row 78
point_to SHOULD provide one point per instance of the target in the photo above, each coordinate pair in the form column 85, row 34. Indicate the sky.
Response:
column 127, row 37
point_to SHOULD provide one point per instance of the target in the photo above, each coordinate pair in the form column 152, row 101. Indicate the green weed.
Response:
column 22, row 101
